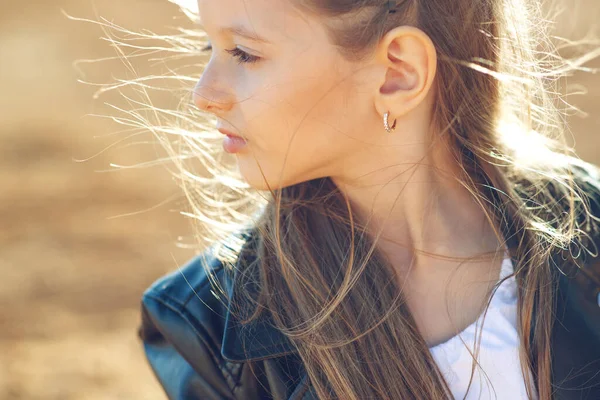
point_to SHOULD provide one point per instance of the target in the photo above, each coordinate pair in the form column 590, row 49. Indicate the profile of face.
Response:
column 304, row 110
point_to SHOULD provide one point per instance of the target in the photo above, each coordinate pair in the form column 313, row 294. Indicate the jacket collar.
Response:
column 259, row 339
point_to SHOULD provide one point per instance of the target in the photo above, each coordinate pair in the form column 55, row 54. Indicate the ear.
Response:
column 410, row 61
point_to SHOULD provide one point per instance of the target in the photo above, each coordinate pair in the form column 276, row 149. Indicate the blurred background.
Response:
column 80, row 239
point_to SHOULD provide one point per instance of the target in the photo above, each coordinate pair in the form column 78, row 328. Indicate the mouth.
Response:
column 228, row 133
column 232, row 142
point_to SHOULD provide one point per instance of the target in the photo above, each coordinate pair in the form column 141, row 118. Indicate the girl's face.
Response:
column 304, row 111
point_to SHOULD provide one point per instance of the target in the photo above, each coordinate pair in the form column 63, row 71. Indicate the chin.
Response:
column 252, row 175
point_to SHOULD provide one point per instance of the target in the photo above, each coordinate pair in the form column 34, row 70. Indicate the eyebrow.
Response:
column 243, row 32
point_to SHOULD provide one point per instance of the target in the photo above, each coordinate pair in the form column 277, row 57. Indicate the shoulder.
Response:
column 576, row 331
column 182, row 323
column 587, row 178
column 585, row 170
column 190, row 280
column 186, row 301
column 582, row 255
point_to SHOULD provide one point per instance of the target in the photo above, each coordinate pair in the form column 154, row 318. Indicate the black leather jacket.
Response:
column 195, row 347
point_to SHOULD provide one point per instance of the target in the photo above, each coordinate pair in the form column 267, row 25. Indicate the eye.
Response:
column 242, row 56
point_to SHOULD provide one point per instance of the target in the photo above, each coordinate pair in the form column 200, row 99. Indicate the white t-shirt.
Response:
column 498, row 351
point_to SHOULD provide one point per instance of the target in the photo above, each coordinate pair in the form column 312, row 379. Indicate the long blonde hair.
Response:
column 496, row 104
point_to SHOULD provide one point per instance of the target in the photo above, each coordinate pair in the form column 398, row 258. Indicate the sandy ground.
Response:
column 74, row 258
column 72, row 269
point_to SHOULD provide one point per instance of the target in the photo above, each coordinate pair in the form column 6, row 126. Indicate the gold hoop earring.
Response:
column 386, row 123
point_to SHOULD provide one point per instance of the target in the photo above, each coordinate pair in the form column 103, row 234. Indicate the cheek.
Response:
column 301, row 122
column 308, row 110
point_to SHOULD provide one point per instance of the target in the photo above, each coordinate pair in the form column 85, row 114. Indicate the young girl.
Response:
column 402, row 218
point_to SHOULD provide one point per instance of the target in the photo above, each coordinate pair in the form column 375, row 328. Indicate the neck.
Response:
column 419, row 205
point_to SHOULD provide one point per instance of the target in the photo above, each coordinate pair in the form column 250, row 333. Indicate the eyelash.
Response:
column 242, row 56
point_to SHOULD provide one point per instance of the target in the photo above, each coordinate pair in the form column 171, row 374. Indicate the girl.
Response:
column 393, row 214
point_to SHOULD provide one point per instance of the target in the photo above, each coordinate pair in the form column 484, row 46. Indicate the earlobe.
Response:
column 409, row 57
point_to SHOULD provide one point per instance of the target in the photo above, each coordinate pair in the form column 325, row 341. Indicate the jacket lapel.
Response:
column 253, row 341
column 259, row 339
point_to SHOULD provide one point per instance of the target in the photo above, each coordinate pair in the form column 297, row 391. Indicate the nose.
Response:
column 210, row 99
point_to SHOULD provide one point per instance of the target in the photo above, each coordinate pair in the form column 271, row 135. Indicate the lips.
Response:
column 232, row 143
column 228, row 133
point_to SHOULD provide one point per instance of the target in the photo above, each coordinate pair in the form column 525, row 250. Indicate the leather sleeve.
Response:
column 182, row 326
column 167, row 334
column 576, row 330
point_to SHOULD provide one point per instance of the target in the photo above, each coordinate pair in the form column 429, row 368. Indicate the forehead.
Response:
column 273, row 19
